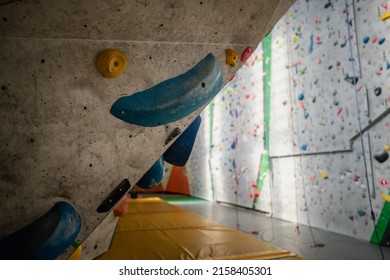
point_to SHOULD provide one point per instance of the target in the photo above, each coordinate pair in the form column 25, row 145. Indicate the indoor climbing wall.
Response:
column 320, row 96
column 59, row 140
column 228, row 153
column 326, row 68
column 330, row 69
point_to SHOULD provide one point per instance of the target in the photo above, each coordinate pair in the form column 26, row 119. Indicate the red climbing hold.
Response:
column 384, row 183
column 246, row 54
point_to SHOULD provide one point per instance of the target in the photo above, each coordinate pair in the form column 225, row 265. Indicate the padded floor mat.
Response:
column 155, row 230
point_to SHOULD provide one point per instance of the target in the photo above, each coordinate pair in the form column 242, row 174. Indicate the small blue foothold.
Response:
column 301, row 96
column 311, row 43
column 366, row 39
column 304, row 147
column 381, row 41
column 234, row 144
column 361, row 213
column 306, row 115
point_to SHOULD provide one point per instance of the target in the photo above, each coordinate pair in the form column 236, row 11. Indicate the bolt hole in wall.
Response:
column 284, row 135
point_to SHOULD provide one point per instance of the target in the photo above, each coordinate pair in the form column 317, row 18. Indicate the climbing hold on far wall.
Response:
column 385, row 197
column 361, row 213
column 111, row 63
column 304, row 147
column 246, row 54
column 384, row 183
column 366, row 39
column 381, row 157
column 324, row 174
column 381, row 41
column 386, row 147
column 385, row 15
column 153, row 176
column 378, row 91
column 231, row 57
column 352, row 80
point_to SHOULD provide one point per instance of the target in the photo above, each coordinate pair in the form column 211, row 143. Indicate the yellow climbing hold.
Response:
column 231, row 57
column 76, row 255
column 111, row 63
column 385, row 197
column 386, row 148
column 385, row 15
column 294, row 38
column 324, row 174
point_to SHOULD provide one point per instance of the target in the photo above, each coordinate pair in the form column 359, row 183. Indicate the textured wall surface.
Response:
column 328, row 186
column 58, row 140
column 329, row 67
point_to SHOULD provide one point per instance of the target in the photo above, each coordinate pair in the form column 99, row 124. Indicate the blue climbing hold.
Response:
column 301, row 96
column 172, row 99
column 179, row 152
column 311, row 43
column 361, row 213
column 304, row 147
column 153, row 176
column 234, row 144
column 46, row 238
column 366, row 39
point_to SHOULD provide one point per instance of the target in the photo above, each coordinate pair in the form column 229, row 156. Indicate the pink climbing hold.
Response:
column 246, row 54
column 384, row 183
column 374, row 40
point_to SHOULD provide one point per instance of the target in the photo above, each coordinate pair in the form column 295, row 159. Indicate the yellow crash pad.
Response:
column 155, row 230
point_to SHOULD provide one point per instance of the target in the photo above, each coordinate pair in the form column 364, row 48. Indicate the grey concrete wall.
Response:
column 58, row 140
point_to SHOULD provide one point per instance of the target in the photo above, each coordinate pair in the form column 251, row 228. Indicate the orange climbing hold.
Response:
column 111, row 63
column 122, row 208
column 231, row 57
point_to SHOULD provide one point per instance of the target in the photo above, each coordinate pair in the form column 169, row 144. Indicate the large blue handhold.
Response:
column 153, row 176
column 46, row 238
column 172, row 99
column 179, row 152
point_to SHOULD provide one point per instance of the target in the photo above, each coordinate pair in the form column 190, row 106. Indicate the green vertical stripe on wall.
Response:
column 211, row 115
column 267, row 49
column 264, row 161
column 381, row 224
